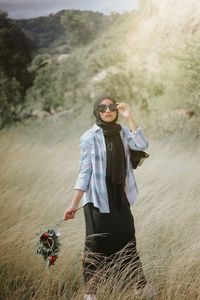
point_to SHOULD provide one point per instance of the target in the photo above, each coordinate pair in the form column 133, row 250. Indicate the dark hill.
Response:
column 48, row 32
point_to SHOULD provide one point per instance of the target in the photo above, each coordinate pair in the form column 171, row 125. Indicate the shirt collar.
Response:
column 96, row 127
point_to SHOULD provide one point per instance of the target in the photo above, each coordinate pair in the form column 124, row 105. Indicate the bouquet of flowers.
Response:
column 48, row 246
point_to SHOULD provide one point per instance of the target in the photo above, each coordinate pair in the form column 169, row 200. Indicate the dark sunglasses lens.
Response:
column 102, row 108
column 112, row 107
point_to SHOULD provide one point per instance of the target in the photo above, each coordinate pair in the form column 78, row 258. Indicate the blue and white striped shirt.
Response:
column 92, row 167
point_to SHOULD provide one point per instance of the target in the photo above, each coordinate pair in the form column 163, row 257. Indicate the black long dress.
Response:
column 108, row 233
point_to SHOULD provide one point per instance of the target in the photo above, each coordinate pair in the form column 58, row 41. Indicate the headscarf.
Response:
column 116, row 163
column 109, row 128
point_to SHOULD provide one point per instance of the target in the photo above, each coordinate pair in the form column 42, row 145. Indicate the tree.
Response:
column 10, row 100
column 189, row 65
column 14, row 75
column 79, row 28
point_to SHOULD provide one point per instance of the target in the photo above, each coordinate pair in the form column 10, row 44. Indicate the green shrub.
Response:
column 14, row 75
column 189, row 66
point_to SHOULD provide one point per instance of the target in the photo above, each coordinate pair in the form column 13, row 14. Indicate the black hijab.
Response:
column 109, row 128
column 116, row 163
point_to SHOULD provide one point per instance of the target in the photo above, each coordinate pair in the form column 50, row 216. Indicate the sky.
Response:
column 25, row 9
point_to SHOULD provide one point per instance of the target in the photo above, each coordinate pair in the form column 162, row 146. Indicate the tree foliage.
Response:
column 44, row 32
column 83, row 27
column 117, row 77
column 71, row 28
column 189, row 65
column 14, row 75
column 47, row 89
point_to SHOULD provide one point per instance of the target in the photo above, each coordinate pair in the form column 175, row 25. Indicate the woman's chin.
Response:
column 109, row 119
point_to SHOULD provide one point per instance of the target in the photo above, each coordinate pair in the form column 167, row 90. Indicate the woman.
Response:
column 107, row 185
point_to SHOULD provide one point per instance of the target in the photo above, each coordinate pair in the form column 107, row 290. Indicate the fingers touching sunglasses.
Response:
column 103, row 108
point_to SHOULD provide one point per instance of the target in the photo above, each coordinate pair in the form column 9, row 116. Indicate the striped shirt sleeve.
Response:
column 137, row 139
column 85, row 167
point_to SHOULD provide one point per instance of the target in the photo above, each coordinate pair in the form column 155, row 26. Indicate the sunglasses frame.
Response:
column 105, row 107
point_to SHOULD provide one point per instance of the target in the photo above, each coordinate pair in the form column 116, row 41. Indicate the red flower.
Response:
column 52, row 259
column 44, row 236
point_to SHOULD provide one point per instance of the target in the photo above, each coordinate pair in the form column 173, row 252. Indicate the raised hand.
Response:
column 124, row 110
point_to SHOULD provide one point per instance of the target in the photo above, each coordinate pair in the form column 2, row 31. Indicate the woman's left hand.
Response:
column 124, row 110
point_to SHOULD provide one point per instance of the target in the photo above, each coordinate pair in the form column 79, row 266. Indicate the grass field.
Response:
column 39, row 165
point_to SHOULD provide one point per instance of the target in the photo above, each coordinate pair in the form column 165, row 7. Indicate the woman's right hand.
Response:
column 70, row 212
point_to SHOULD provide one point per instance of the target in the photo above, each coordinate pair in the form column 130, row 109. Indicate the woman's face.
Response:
column 108, row 116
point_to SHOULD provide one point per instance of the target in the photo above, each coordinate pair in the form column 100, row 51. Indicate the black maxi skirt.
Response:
column 110, row 236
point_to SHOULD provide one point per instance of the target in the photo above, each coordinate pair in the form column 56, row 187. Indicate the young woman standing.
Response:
column 107, row 184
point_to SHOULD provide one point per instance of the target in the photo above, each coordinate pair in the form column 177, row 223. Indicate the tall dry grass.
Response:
column 39, row 165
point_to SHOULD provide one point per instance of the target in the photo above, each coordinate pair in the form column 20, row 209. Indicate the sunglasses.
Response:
column 103, row 108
